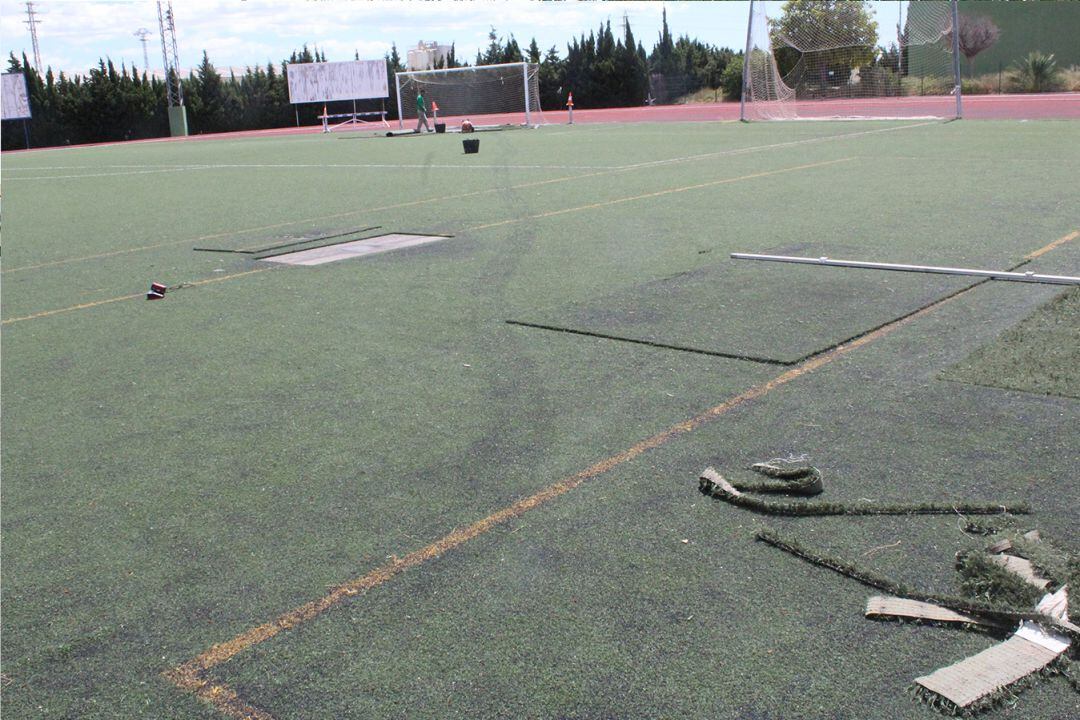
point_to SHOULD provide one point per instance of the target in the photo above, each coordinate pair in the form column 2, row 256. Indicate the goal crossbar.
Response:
column 897, row 267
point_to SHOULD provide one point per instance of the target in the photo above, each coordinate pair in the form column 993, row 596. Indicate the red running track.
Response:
column 1047, row 106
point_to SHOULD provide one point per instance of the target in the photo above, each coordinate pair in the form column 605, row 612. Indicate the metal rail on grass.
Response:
column 992, row 274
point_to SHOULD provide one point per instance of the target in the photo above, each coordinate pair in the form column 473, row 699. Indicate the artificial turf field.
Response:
column 337, row 447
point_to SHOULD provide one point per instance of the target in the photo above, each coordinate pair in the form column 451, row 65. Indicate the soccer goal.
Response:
column 822, row 60
column 496, row 94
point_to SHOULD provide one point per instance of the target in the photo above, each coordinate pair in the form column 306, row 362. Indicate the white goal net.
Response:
column 824, row 59
column 485, row 94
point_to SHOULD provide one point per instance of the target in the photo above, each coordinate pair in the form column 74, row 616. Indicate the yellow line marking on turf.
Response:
column 47, row 313
column 658, row 193
column 447, row 198
column 83, row 306
column 275, row 226
column 579, row 208
column 191, row 675
column 1057, row 243
column 228, row 702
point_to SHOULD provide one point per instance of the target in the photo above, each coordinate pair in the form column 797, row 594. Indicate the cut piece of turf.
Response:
column 713, row 484
column 1040, row 355
column 760, row 313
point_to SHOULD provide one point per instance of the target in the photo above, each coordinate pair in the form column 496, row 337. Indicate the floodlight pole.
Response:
column 32, row 22
column 171, row 27
column 143, row 34
column 170, row 98
column 746, row 63
column 956, row 56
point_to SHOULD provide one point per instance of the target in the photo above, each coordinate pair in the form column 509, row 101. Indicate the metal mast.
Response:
column 167, row 24
column 143, row 34
column 32, row 21
column 746, row 65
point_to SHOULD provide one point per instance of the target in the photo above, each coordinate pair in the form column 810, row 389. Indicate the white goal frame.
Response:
column 774, row 93
column 525, row 70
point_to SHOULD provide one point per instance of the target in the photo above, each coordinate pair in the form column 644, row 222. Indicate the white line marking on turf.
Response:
column 321, row 166
column 568, row 178
column 470, row 166
column 157, row 171
column 774, row 146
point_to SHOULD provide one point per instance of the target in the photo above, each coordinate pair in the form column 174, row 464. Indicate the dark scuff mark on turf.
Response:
column 651, row 343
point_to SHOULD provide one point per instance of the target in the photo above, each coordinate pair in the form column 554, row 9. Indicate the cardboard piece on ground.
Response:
column 995, row 668
column 1021, row 567
column 1055, row 604
column 1000, row 546
column 713, row 481
column 885, row 606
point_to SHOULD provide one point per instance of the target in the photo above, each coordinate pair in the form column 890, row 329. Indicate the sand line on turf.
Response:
column 552, row 213
column 1057, row 243
column 447, row 198
column 83, row 306
column 191, row 675
column 658, row 193
column 276, row 226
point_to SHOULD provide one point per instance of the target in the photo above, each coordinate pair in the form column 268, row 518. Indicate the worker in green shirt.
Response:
column 421, row 112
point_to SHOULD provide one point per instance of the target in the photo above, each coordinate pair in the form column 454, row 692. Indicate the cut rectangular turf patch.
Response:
column 1040, row 355
column 774, row 314
column 356, row 248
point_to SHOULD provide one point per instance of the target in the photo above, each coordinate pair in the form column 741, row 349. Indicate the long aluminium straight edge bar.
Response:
column 992, row 274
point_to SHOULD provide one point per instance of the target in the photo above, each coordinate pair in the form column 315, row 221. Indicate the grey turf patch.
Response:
column 357, row 248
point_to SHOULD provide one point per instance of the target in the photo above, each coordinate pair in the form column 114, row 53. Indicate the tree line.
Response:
column 110, row 104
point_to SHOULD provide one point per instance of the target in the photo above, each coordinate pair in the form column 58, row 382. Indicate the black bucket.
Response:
column 440, row 127
column 471, row 146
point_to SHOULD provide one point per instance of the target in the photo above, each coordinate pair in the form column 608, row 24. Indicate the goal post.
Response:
column 825, row 60
column 496, row 94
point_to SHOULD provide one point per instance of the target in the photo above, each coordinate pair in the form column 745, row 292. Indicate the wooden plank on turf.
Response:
column 967, row 681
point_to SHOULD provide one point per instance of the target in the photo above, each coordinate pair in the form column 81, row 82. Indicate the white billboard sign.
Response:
column 322, row 82
column 14, row 100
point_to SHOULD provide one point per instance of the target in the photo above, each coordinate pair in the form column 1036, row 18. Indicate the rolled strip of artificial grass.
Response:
column 997, row 612
column 711, row 483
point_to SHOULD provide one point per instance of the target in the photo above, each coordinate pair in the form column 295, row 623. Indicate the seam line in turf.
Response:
column 651, row 343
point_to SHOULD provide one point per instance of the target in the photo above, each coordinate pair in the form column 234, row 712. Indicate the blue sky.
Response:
column 73, row 34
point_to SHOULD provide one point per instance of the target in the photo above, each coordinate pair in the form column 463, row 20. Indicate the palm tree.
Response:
column 1036, row 73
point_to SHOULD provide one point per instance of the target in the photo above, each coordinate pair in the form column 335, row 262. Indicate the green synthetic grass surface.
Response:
column 735, row 308
column 177, row 472
column 1041, row 354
